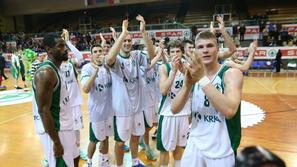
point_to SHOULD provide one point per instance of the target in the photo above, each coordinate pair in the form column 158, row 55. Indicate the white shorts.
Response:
column 172, row 132
column 67, row 139
column 77, row 117
column 193, row 157
column 100, row 130
column 124, row 127
column 77, row 139
column 150, row 116
column 45, row 141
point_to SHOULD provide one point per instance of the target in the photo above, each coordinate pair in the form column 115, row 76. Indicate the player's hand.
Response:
column 161, row 44
column 112, row 29
column 58, row 149
column 195, row 67
column 65, row 35
column 142, row 23
column 125, row 25
column 221, row 23
column 101, row 37
column 176, row 63
column 212, row 28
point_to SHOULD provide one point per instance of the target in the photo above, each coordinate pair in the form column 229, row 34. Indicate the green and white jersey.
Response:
column 165, row 105
column 127, row 86
column 63, row 118
column 213, row 134
column 100, row 96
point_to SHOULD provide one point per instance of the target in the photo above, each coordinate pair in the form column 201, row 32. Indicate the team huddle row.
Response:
column 186, row 90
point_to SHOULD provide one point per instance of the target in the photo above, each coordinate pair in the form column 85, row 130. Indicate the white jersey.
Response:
column 158, row 92
column 59, row 109
column 69, row 74
column 100, row 96
column 165, row 105
column 149, row 77
column 127, row 85
column 211, row 132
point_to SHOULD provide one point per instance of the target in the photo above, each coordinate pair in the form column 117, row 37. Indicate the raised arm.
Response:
column 158, row 54
column 88, row 84
column 115, row 49
column 74, row 50
column 164, row 56
column 103, row 41
column 147, row 41
column 165, row 79
column 211, row 28
column 228, row 40
column 45, row 81
column 246, row 65
column 113, row 33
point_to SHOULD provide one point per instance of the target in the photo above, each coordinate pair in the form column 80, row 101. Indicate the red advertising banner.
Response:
column 291, row 27
column 169, row 34
column 252, row 30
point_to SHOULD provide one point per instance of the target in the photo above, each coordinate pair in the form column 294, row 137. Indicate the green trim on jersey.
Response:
column 168, row 68
column 55, row 106
column 145, row 121
column 234, row 130
column 233, row 124
column 124, row 57
column 92, row 135
column 60, row 162
column 160, row 145
column 116, row 134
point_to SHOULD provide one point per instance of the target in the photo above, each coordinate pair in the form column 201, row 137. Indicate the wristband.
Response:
column 203, row 81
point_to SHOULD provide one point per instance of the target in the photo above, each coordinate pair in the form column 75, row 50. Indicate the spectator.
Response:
column 234, row 30
column 278, row 60
column 242, row 30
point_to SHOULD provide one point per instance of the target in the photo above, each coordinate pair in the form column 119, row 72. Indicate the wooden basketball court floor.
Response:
column 277, row 96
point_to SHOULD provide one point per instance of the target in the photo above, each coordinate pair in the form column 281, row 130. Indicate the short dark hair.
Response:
column 188, row 41
column 108, row 43
column 93, row 46
column 175, row 44
column 50, row 40
column 205, row 35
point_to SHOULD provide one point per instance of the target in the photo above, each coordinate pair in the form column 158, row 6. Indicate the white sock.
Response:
column 89, row 160
column 176, row 163
column 135, row 161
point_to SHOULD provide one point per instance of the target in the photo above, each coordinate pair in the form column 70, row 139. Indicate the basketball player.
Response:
column 96, row 80
column 51, row 103
column 215, row 104
column 172, row 128
column 125, row 65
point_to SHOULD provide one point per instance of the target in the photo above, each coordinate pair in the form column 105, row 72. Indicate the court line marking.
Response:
column 271, row 91
column 14, row 118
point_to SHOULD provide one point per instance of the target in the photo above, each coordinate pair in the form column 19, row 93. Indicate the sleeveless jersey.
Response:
column 211, row 132
column 100, row 97
column 63, row 119
column 125, row 74
column 69, row 74
column 149, row 79
column 165, row 105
